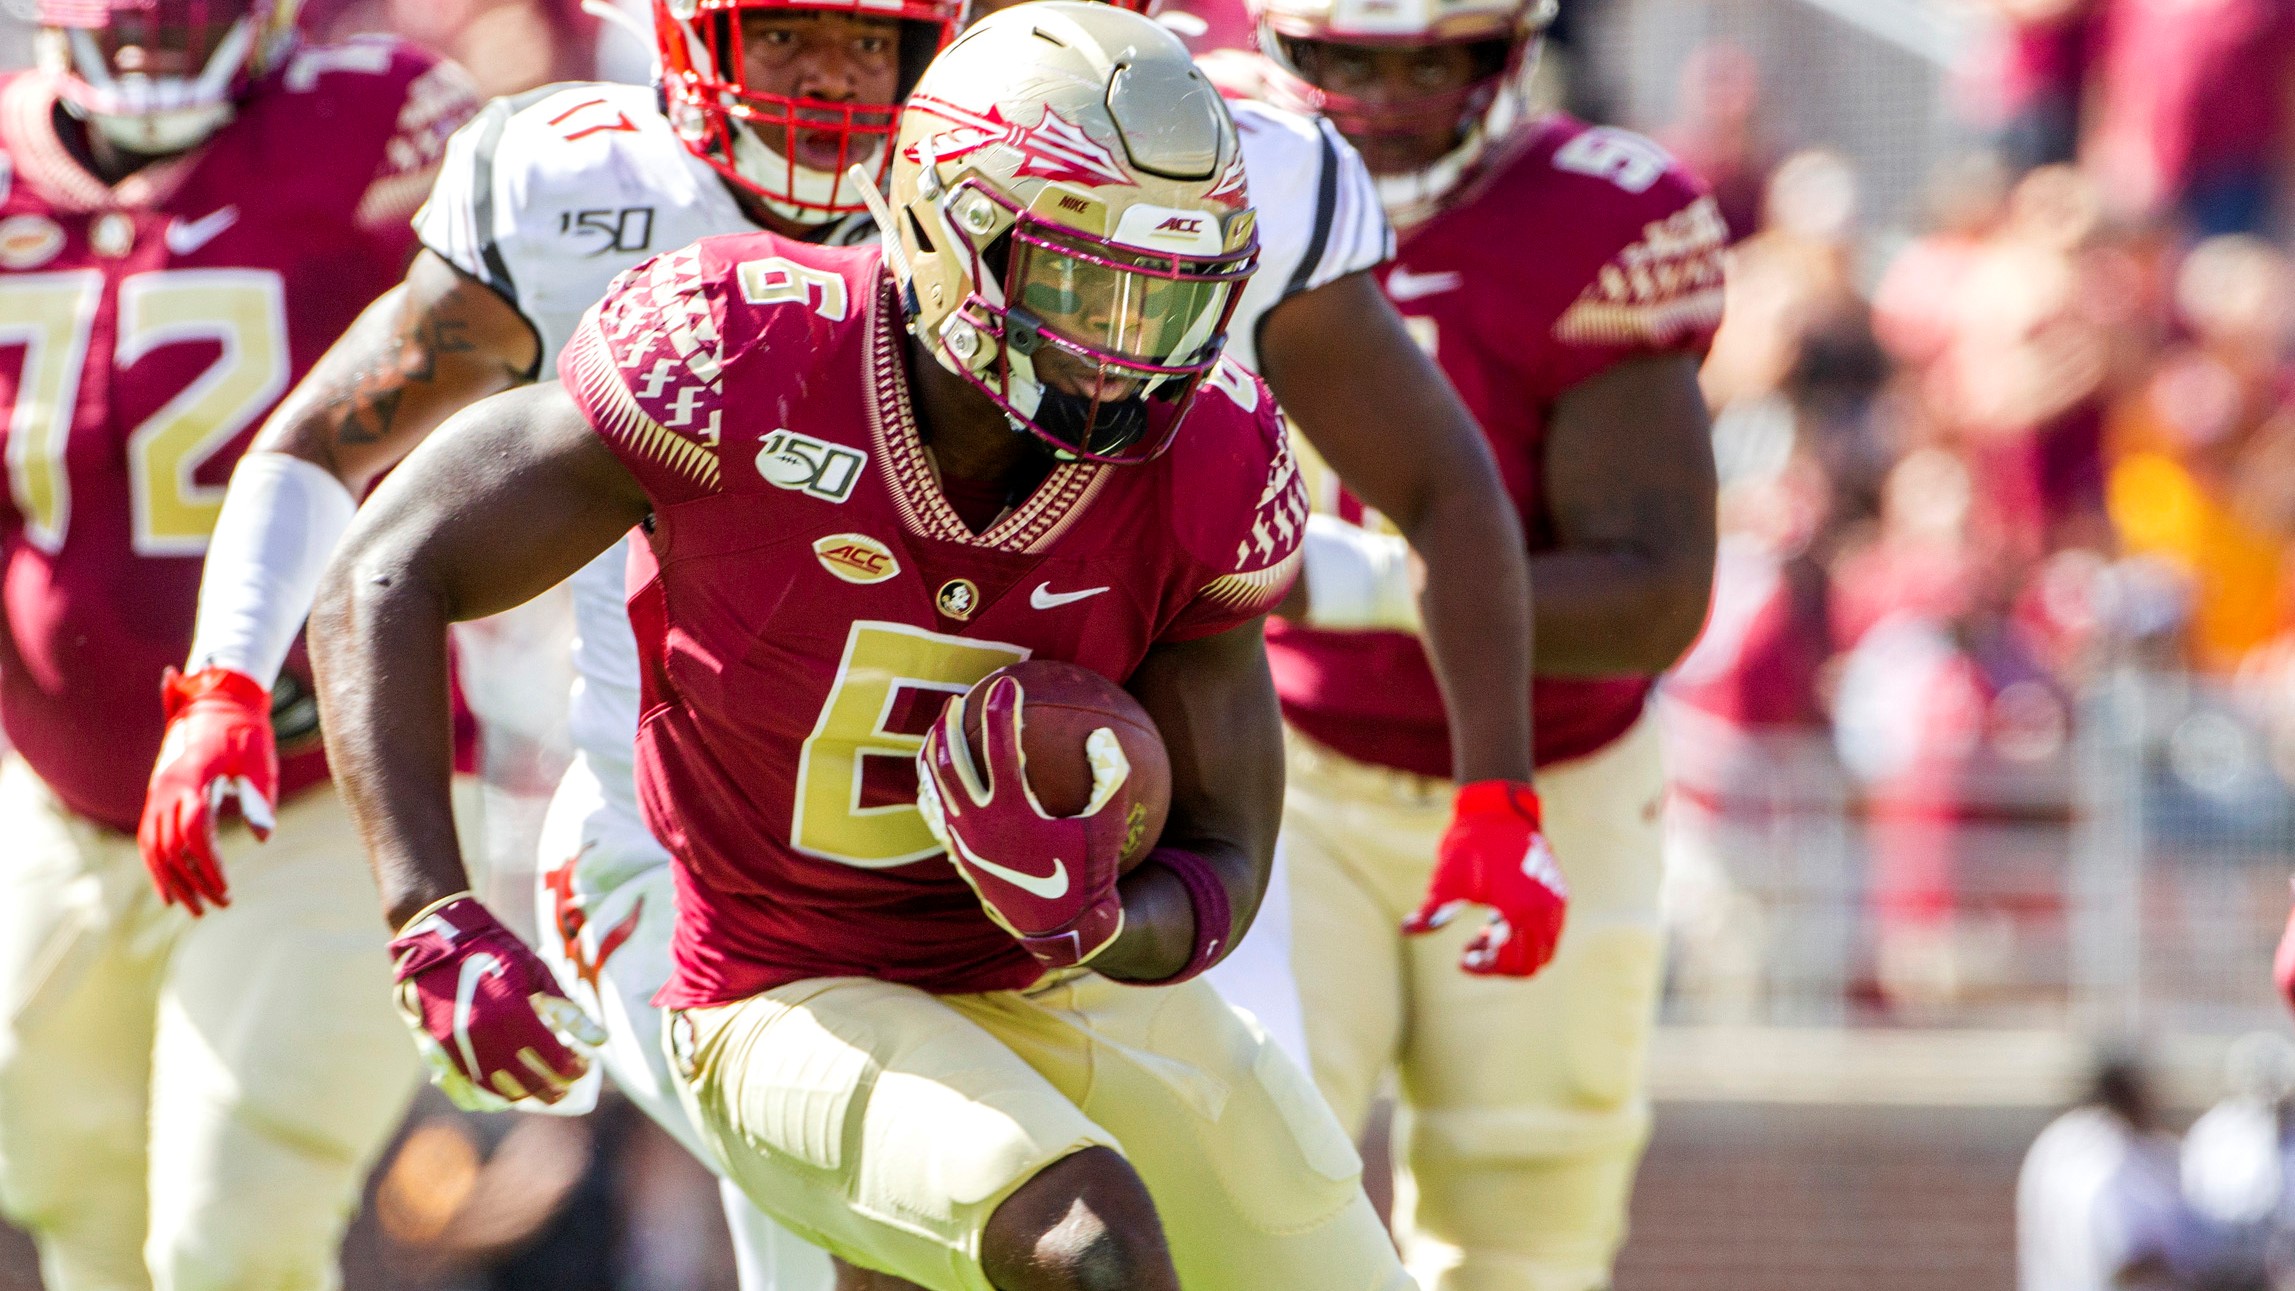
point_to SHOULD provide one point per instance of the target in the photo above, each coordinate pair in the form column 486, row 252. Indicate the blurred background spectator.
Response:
column 2098, row 1206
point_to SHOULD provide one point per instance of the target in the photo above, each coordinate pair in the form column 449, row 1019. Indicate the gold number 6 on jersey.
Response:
column 828, row 819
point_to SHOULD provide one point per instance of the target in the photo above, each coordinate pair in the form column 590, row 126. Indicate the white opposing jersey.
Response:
column 1319, row 214
column 547, row 196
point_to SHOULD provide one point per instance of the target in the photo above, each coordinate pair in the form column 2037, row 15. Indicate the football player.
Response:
column 1568, row 279
column 192, row 206
column 909, row 1019
column 544, row 199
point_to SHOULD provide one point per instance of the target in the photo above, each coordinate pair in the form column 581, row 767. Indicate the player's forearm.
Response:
column 1213, row 702
column 378, row 640
column 281, row 520
column 1159, row 936
column 1476, row 610
column 1606, row 614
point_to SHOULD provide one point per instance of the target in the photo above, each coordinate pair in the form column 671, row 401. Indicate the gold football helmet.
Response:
column 1069, row 224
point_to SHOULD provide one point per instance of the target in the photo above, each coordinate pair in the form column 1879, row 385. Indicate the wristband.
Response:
column 1214, row 916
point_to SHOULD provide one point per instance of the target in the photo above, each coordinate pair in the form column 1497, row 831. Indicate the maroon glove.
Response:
column 485, row 1011
column 1049, row 881
column 218, row 746
column 1494, row 855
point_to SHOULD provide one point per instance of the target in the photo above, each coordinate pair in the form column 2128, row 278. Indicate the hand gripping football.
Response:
column 1045, row 783
column 1062, row 705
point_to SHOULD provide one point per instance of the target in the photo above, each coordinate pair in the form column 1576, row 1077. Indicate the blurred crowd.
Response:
column 1969, row 471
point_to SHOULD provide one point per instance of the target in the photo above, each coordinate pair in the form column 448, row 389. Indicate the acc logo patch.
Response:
column 29, row 241
column 810, row 466
column 856, row 558
column 958, row 598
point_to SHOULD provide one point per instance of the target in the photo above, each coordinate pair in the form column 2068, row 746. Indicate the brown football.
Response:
column 1061, row 705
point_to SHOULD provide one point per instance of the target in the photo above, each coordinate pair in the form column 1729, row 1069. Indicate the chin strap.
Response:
column 888, row 231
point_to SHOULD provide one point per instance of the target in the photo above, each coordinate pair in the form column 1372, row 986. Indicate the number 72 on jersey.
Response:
column 50, row 320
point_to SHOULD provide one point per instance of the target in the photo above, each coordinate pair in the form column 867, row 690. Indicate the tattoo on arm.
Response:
column 371, row 406
column 435, row 344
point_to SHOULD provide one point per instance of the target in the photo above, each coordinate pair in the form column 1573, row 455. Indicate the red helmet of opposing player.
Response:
column 159, row 76
column 1497, row 34
column 794, row 152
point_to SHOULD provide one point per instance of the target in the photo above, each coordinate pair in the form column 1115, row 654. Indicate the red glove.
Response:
column 485, row 1011
column 1494, row 855
column 1049, row 881
column 218, row 745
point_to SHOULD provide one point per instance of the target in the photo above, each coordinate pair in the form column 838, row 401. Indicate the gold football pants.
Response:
column 1523, row 1114
column 886, row 1125
column 190, row 1104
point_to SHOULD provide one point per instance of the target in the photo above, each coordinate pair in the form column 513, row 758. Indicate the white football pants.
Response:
column 191, row 1104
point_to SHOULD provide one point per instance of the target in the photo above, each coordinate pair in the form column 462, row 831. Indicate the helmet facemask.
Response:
column 158, row 77
column 1500, row 47
column 1092, row 345
column 794, row 153
column 1069, row 225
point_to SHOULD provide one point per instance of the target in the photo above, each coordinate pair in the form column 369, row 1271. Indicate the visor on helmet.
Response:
column 1102, row 344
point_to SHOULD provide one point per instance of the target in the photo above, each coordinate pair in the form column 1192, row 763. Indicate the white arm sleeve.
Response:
column 1358, row 580
column 281, row 520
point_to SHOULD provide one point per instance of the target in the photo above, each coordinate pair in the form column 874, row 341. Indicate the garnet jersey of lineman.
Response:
column 1577, row 248
column 807, row 599
column 145, row 331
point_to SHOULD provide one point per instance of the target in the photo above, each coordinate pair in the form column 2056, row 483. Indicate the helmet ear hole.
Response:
column 916, row 229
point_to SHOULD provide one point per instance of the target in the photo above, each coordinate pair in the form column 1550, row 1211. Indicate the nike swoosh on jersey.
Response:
column 1044, row 598
column 1402, row 284
column 186, row 236
column 1046, row 887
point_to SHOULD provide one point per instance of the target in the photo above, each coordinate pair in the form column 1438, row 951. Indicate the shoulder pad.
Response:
column 1240, row 501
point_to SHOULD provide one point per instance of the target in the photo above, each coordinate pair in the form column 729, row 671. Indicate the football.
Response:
column 1061, row 705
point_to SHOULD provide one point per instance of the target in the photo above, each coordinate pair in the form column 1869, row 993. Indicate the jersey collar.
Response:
column 1030, row 528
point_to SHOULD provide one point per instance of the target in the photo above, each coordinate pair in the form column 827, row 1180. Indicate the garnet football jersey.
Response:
column 548, row 196
column 145, row 332
column 808, row 600
column 1576, row 248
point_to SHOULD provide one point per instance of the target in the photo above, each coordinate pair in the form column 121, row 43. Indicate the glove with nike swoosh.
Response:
column 485, row 1011
column 1049, row 881
column 1494, row 854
